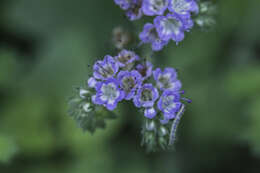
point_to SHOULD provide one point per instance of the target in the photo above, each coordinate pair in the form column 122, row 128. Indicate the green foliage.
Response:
column 9, row 67
column 252, row 133
column 7, row 148
column 244, row 82
column 29, row 112
column 88, row 116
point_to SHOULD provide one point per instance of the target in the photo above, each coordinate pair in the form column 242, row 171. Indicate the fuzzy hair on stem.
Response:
column 175, row 124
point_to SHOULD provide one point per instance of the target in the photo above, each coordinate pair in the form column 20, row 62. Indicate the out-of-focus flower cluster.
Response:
column 172, row 19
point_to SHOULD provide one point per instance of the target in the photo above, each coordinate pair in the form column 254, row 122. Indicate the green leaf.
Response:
column 88, row 120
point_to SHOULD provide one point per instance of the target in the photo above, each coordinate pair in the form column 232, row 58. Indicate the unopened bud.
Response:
column 83, row 92
column 120, row 37
column 163, row 131
column 150, row 125
column 87, row 107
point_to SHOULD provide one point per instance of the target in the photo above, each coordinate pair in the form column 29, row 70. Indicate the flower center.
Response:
column 168, row 104
column 128, row 84
column 106, row 71
column 110, row 91
column 171, row 25
column 124, row 58
column 136, row 7
column 146, row 95
column 153, row 34
column 164, row 80
column 142, row 71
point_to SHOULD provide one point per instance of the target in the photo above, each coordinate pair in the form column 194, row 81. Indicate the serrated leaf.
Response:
column 91, row 120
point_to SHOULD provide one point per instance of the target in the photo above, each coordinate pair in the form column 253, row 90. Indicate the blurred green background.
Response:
column 45, row 49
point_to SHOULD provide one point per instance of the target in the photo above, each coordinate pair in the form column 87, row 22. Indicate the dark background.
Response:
column 45, row 49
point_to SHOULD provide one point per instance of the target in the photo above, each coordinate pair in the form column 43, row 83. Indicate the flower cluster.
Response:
column 172, row 19
column 127, row 77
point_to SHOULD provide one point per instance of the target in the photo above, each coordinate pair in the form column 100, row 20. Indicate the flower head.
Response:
column 145, row 69
column 154, row 7
column 108, row 93
column 150, row 35
column 126, row 57
column 146, row 96
column 120, row 37
column 183, row 7
column 129, row 82
column 169, row 27
column 167, row 79
column 106, row 68
column 165, row 27
column 134, row 11
column 169, row 103
column 124, row 4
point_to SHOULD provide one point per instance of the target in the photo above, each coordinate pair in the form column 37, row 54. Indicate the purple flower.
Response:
column 106, row 68
column 154, row 7
column 134, row 12
column 188, row 22
column 92, row 82
column 183, row 7
column 145, row 69
column 124, row 4
column 108, row 93
column 150, row 112
column 129, row 82
column 126, row 57
column 145, row 97
column 169, row 103
column 170, row 27
column 150, row 35
column 167, row 79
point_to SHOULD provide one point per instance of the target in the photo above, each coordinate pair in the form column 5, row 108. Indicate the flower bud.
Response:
column 120, row 37
column 87, row 107
column 150, row 125
column 83, row 92
column 163, row 131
